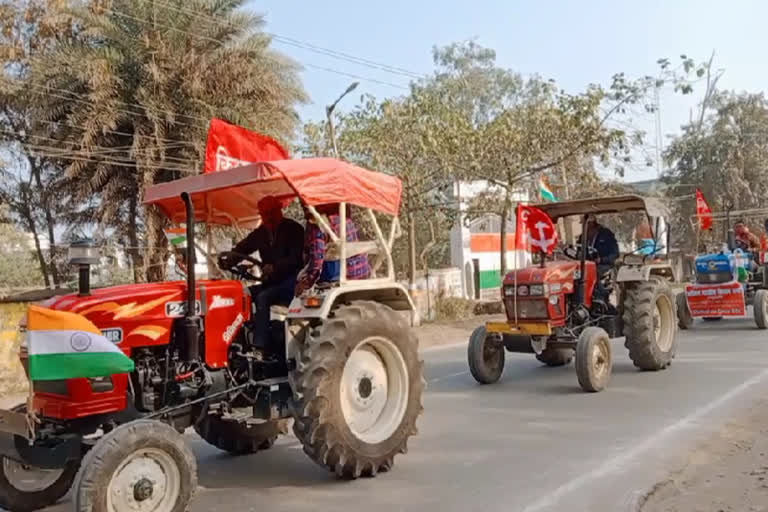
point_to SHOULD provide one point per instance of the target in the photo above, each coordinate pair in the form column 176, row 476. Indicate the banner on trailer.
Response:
column 231, row 146
column 712, row 300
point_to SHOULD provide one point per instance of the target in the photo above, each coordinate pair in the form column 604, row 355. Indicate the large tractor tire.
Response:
column 25, row 488
column 684, row 318
column 141, row 465
column 239, row 437
column 357, row 389
column 485, row 357
column 594, row 360
column 556, row 356
column 760, row 309
column 650, row 324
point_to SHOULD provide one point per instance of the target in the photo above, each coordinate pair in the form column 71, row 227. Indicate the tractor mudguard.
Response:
column 634, row 273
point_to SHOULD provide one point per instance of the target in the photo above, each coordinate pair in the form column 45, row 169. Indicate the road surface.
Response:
column 533, row 442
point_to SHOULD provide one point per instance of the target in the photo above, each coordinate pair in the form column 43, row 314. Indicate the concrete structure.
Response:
column 476, row 244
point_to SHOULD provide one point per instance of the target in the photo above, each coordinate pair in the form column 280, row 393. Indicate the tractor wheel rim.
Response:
column 663, row 330
column 374, row 390
column 148, row 480
column 600, row 359
column 29, row 478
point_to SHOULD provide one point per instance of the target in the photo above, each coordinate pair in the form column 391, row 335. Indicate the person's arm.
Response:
column 290, row 263
column 612, row 248
column 250, row 244
column 311, row 272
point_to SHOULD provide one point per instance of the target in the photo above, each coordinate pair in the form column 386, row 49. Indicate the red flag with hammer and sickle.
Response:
column 535, row 230
column 703, row 211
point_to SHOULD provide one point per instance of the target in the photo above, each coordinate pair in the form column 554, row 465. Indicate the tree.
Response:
column 126, row 99
column 18, row 268
column 725, row 154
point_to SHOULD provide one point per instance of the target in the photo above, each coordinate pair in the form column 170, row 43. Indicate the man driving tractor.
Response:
column 279, row 242
column 604, row 243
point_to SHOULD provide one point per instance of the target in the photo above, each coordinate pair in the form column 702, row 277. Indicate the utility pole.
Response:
column 329, row 115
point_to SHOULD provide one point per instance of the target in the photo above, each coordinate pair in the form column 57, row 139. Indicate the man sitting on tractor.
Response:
column 746, row 240
column 315, row 245
column 279, row 242
column 603, row 242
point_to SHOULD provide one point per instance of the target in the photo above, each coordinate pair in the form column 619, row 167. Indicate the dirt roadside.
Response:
column 726, row 473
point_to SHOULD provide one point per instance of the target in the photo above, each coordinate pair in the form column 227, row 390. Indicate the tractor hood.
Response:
column 562, row 271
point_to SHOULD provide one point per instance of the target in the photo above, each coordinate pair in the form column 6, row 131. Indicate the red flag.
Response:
column 535, row 230
column 703, row 211
column 232, row 146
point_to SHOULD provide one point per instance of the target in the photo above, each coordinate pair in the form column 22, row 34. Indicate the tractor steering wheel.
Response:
column 227, row 261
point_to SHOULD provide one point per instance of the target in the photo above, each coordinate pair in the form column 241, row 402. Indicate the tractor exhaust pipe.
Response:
column 191, row 320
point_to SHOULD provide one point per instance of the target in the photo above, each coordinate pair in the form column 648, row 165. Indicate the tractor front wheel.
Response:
column 594, row 361
column 141, row 465
column 357, row 389
column 650, row 323
column 684, row 318
column 485, row 357
column 25, row 488
column 760, row 309
column 239, row 437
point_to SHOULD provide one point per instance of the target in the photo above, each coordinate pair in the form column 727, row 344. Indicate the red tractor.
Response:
column 561, row 307
column 342, row 361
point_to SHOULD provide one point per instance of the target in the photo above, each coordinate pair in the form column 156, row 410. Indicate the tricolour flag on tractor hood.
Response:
column 64, row 345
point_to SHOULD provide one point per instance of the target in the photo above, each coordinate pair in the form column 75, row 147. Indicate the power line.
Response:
column 297, row 43
column 220, row 43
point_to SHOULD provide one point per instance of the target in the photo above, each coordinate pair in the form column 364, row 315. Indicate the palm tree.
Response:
column 127, row 97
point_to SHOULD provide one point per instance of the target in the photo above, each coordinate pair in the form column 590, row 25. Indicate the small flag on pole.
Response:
column 63, row 345
column 177, row 237
column 545, row 192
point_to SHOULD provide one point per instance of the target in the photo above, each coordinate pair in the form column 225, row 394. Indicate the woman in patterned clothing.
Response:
column 315, row 244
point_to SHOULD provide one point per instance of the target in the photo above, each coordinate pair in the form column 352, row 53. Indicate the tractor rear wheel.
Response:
column 239, row 437
column 357, row 389
column 485, row 357
column 650, row 324
column 684, row 318
column 556, row 356
column 760, row 307
column 594, row 361
column 141, row 465
column 24, row 488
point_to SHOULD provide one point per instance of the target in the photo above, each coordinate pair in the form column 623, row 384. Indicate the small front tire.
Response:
column 486, row 358
column 594, row 362
column 760, row 306
column 24, row 488
column 141, row 465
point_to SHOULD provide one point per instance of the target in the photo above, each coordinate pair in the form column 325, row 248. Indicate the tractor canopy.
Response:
column 602, row 205
column 231, row 197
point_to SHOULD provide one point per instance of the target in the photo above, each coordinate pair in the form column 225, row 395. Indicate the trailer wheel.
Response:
column 141, row 465
column 556, row 356
column 486, row 359
column 684, row 318
column 760, row 307
column 650, row 324
column 240, row 438
column 594, row 361
column 25, row 488
column 357, row 389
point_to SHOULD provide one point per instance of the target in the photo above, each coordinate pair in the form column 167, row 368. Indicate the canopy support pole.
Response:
column 384, row 246
column 343, row 243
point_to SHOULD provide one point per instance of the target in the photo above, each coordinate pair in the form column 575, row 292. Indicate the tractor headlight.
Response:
column 509, row 291
column 537, row 290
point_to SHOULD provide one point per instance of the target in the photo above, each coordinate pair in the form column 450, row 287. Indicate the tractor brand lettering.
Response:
column 179, row 308
column 230, row 331
column 113, row 334
column 221, row 302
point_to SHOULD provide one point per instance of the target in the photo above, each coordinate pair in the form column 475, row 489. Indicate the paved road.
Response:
column 532, row 442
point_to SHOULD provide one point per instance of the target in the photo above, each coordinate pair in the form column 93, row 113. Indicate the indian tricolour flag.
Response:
column 64, row 345
column 545, row 192
column 177, row 236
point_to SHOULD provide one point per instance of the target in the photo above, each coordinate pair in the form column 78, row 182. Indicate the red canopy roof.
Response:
column 229, row 197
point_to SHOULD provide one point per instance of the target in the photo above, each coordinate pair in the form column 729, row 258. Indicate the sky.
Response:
column 574, row 42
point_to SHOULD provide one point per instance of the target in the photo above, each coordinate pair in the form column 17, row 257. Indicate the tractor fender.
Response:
column 635, row 273
column 389, row 293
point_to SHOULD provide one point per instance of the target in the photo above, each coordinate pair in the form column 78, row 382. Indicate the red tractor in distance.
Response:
column 342, row 361
column 561, row 307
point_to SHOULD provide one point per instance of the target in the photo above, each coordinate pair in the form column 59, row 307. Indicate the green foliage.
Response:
column 18, row 268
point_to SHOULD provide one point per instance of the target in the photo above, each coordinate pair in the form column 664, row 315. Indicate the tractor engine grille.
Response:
column 527, row 308
column 713, row 277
